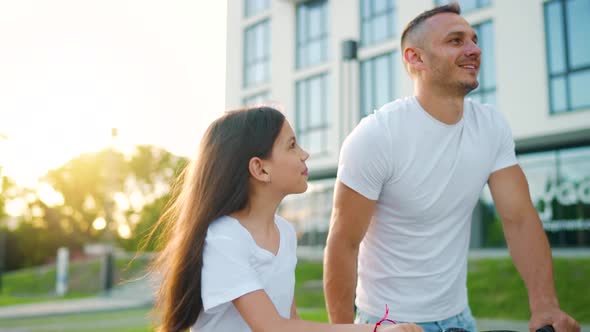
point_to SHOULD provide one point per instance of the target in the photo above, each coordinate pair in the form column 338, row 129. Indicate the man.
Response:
column 409, row 177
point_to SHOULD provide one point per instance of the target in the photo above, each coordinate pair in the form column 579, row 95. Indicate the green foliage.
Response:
column 32, row 244
column 148, row 218
column 88, row 185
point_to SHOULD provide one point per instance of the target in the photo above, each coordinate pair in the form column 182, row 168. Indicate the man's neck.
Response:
column 445, row 108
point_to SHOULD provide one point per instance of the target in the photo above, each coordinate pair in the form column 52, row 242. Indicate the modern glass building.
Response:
column 329, row 63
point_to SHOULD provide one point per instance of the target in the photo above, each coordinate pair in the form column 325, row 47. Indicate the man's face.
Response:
column 450, row 54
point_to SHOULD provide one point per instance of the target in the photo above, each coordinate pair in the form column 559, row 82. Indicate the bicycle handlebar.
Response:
column 546, row 328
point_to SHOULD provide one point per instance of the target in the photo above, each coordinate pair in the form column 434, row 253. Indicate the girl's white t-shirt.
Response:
column 234, row 265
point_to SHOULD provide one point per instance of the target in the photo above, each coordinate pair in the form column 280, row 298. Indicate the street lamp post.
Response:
column 2, row 230
column 109, row 264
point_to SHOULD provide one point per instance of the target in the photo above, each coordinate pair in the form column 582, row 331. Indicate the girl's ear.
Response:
column 259, row 170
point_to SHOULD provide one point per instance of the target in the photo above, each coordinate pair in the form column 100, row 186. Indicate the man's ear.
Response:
column 259, row 170
column 413, row 57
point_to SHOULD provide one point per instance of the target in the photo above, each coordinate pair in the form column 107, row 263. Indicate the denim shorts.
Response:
column 463, row 320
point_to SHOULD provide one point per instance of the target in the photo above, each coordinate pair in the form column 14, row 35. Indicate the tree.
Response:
column 138, row 184
column 88, row 183
column 85, row 184
column 152, row 172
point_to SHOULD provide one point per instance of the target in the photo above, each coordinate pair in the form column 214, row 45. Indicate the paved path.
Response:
column 130, row 295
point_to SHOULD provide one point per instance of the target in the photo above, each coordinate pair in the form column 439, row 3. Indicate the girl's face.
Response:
column 287, row 169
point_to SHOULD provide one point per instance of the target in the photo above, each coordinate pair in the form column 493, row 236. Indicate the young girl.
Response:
column 228, row 263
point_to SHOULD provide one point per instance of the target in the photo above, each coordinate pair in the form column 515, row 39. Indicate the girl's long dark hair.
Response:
column 215, row 184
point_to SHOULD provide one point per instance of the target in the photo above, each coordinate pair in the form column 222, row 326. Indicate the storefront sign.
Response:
column 567, row 195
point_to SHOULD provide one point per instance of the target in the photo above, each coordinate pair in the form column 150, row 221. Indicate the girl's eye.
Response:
column 292, row 145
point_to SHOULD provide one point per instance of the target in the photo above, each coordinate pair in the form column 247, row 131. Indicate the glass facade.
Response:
column 466, row 5
column 312, row 33
column 257, row 54
column 253, row 7
column 377, row 21
column 568, row 54
column 378, row 81
column 256, row 99
column 313, row 113
column 486, row 91
column 559, row 183
column 310, row 213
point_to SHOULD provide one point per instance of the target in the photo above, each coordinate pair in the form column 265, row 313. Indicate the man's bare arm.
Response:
column 528, row 247
column 351, row 216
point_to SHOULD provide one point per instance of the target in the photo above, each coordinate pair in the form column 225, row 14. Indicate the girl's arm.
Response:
column 260, row 314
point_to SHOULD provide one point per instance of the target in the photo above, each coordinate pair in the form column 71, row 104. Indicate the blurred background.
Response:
column 103, row 103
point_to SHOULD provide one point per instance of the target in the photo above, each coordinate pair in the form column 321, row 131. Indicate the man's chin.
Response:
column 469, row 86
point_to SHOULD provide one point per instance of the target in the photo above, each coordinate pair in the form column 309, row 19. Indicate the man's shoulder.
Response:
column 383, row 123
column 397, row 106
column 389, row 113
column 487, row 113
column 476, row 105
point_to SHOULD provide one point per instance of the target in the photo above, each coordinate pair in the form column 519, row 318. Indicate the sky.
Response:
column 70, row 70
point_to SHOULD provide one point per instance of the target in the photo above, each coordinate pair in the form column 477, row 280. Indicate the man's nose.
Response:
column 472, row 49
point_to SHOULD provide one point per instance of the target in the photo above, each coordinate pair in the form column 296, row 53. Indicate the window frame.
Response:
column 247, row 81
column 568, row 67
column 303, row 38
column 390, row 14
column 302, row 130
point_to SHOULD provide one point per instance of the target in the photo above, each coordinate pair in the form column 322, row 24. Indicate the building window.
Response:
column 559, row 184
column 256, row 99
column 466, row 5
column 253, row 7
column 377, row 21
column 310, row 213
column 378, row 81
column 312, row 113
column 312, row 33
column 486, row 91
column 568, row 54
column 257, row 54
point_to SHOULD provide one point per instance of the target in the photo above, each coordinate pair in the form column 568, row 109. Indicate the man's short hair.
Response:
column 453, row 7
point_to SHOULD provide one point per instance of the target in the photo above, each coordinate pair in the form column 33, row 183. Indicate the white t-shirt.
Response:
column 427, row 177
column 234, row 265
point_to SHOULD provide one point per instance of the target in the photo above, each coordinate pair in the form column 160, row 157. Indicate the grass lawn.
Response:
column 38, row 284
column 495, row 289
column 495, row 292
